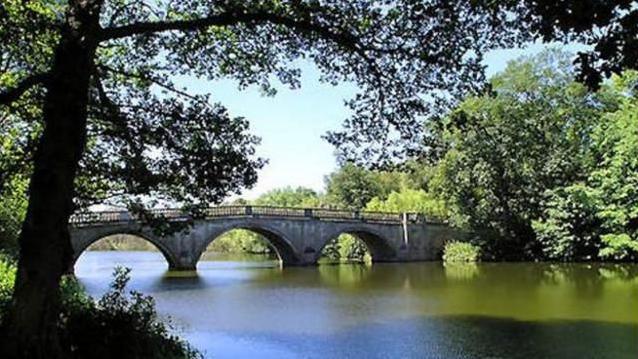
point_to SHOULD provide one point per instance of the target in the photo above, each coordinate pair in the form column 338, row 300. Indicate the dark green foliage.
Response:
column 13, row 206
column 541, row 168
column 299, row 197
column 120, row 325
column 598, row 217
column 354, row 186
column 7, row 278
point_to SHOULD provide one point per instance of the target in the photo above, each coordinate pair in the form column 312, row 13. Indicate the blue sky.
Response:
column 291, row 123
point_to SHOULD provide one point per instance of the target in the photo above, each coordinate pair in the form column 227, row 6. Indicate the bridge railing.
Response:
column 233, row 211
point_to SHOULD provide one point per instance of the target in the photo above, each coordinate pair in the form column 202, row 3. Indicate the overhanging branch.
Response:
column 226, row 19
column 344, row 39
column 166, row 86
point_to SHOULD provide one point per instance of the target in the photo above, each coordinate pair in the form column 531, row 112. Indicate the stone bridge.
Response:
column 297, row 235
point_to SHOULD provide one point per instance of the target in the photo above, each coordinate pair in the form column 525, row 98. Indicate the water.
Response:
column 252, row 308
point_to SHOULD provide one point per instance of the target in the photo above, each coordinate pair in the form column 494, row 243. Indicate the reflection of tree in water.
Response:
column 461, row 271
column 589, row 279
column 344, row 275
column 623, row 272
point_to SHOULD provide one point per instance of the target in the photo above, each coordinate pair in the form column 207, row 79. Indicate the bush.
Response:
column 456, row 251
column 619, row 247
column 119, row 325
column 7, row 278
column 568, row 229
column 13, row 208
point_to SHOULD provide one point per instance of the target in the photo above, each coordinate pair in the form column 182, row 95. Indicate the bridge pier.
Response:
column 182, row 268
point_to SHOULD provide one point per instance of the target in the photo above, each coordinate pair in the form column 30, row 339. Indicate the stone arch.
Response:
column 380, row 248
column 80, row 246
column 282, row 246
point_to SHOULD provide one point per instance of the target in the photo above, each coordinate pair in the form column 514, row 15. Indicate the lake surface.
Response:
column 254, row 309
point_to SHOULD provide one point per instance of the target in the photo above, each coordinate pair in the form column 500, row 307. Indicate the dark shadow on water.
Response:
column 182, row 280
column 452, row 337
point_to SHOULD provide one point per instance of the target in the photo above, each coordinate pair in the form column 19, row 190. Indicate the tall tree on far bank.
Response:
column 95, row 77
column 352, row 187
column 502, row 151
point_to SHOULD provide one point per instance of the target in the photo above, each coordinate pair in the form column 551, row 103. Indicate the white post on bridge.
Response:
column 405, row 229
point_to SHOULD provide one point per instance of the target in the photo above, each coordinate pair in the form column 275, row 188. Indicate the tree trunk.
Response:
column 45, row 247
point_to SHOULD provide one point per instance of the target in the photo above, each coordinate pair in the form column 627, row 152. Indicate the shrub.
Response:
column 456, row 251
column 13, row 207
column 568, row 229
column 7, row 278
column 119, row 325
column 619, row 247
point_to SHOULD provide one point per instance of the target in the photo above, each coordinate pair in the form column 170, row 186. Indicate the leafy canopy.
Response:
column 148, row 138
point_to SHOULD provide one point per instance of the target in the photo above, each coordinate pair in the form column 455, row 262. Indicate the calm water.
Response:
column 236, row 309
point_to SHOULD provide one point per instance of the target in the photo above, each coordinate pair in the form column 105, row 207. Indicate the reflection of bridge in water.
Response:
column 298, row 235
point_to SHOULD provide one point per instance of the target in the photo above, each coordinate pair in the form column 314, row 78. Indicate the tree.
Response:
column 568, row 228
column 410, row 200
column 503, row 150
column 351, row 187
column 99, row 73
column 615, row 179
column 290, row 197
column 596, row 218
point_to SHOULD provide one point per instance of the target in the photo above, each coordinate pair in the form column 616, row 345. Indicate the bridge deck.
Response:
column 322, row 214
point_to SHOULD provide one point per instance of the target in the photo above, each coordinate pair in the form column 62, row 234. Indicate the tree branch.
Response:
column 23, row 86
column 342, row 38
column 226, row 19
column 166, row 86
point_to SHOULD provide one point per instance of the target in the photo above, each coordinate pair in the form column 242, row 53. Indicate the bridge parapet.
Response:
column 323, row 214
column 298, row 235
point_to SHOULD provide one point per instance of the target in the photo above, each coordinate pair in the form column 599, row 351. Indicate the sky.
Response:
column 292, row 122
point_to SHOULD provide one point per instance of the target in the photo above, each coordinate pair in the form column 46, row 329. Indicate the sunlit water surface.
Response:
column 254, row 309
